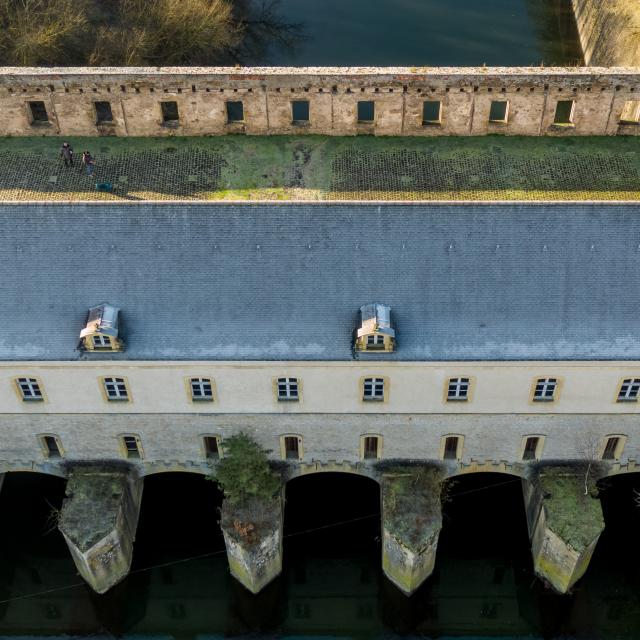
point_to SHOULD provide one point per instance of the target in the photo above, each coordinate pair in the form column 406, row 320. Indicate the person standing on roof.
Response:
column 66, row 153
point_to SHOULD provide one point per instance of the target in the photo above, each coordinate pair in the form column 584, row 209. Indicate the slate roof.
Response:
column 285, row 282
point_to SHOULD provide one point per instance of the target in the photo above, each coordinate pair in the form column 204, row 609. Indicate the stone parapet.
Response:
column 66, row 100
column 98, row 520
column 564, row 523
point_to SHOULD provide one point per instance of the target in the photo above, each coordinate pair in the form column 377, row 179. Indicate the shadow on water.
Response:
column 332, row 584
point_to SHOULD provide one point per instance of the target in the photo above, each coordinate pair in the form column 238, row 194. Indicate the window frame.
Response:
column 459, row 448
column 105, row 393
column 470, row 386
column 556, row 394
column 619, row 450
column 431, row 123
column 571, row 121
column 627, row 400
column 283, row 446
column 33, row 121
column 124, row 450
column 301, row 122
column 363, row 449
column 99, row 121
column 507, row 109
column 166, row 121
column 361, row 121
column 284, row 399
column 46, row 453
column 31, row 380
column 539, row 447
column 204, row 448
column 374, row 399
column 228, row 119
column 188, row 384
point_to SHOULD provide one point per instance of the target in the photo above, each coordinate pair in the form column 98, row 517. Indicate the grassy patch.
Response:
column 325, row 168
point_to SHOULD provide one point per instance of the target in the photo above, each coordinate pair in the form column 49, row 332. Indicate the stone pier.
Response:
column 98, row 520
column 411, row 523
column 564, row 524
column 253, row 538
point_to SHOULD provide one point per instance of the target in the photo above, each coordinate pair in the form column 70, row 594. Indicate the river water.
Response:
column 430, row 33
column 332, row 587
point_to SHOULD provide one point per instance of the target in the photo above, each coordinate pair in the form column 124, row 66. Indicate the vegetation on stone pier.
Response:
column 251, row 489
column 412, row 499
column 138, row 32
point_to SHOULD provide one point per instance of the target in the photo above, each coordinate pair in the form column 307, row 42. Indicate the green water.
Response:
column 430, row 32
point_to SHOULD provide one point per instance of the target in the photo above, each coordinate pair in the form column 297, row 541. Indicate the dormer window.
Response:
column 375, row 332
column 101, row 330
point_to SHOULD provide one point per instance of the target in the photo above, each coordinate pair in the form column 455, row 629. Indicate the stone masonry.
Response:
column 65, row 100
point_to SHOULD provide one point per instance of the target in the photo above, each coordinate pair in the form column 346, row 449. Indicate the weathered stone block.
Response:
column 98, row 520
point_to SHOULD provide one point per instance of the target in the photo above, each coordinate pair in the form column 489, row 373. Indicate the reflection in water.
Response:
column 332, row 585
column 428, row 33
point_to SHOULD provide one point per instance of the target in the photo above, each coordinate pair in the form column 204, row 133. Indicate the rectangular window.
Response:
column 630, row 112
column 629, row 390
column 235, row 112
column 531, row 448
column 366, row 111
column 288, row 389
column 499, row 111
column 611, row 449
column 38, row 113
column 116, row 389
column 292, row 448
column 201, row 389
column 375, row 342
column 564, row 112
column 370, row 449
column 29, row 389
column 458, row 389
column 431, row 112
column 170, row 113
column 300, row 111
column 373, row 389
column 101, row 342
column 132, row 448
column 451, row 447
column 211, row 448
column 545, row 390
column 103, row 112
column 51, row 447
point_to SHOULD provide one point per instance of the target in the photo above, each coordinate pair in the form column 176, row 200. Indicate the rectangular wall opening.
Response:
column 564, row 112
column 366, row 111
column 170, row 115
column 531, row 448
column 499, row 112
column 630, row 112
column 300, row 111
column 291, row 448
column 38, row 112
column 103, row 113
column 611, row 448
column 451, row 447
column 235, row 112
column 431, row 112
column 212, row 451
column 132, row 447
column 51, row 447
column 371, row 447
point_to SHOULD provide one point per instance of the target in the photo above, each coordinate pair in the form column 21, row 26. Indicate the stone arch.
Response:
column 304, row 469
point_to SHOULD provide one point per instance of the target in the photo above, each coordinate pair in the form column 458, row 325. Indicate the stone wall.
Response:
column 68, row 97
column 609, row 31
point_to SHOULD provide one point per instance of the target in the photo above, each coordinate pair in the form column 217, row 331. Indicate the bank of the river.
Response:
column 324, row 168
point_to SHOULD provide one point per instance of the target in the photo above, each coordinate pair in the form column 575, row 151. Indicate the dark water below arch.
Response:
column 430, row 33
column 332, row 586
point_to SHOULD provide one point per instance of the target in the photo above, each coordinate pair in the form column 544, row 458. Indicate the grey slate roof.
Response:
column 267, row 282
